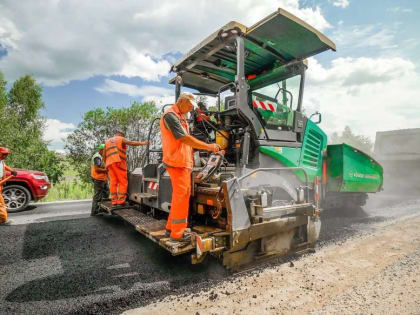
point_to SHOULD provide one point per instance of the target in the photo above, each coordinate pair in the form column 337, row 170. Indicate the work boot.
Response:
column 122, row 205
column 8, row 222
column 185, row 238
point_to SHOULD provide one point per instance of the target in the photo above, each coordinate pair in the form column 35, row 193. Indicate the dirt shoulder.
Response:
column 374, row 273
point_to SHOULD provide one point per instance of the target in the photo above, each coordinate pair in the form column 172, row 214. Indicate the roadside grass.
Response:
column 69, row 188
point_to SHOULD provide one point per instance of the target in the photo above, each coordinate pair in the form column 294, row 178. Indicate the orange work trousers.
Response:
column 181, row 190
column 3, row 209
column 118, row 183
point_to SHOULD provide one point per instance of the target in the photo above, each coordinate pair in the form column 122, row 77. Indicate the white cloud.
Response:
column 364, row 36
column 399, row 10
column 9, row 35
column 160, row 100
column 59, row 41
column 350, row 72
column 56, row 131
column 341, row 3
column 144, row 66
column 157, row 94
column 112, row 86
column 368, row 94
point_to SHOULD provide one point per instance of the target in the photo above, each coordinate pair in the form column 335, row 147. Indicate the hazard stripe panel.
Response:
column 264, row 105
column 153, row 186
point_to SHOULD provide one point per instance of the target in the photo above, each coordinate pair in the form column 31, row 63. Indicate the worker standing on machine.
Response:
column 99, row 177
column 116, row 165
column 177, row 147
column 201, row 112
column 3, row 168
column 203, row 126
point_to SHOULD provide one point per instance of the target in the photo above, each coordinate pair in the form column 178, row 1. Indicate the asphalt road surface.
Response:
column 58, row 259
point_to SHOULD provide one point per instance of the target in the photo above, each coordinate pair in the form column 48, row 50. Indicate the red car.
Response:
column 24, row 187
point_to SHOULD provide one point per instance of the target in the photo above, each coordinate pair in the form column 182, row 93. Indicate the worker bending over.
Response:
column 177, row 147
column 3, row 168
column 99, row 177
column 116, row 165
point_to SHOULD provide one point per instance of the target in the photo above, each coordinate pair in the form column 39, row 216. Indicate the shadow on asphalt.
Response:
column 102, row 256
column 28, row 208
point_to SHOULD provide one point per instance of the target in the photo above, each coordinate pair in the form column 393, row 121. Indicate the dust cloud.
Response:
column 398, row 151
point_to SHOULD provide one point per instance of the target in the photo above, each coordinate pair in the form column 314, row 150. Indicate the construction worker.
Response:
column 203, row 126
column 3, row 168
column 99, row 178
column 201, row 111
column 177, row 147
column 116, row 165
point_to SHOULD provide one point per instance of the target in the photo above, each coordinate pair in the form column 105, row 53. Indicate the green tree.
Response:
column 22, row 128
column 25, row 97
column 3, row 92
column 360, row 142
column 98, row 125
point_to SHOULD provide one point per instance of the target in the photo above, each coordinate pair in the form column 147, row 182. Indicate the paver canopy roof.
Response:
column 278, row 39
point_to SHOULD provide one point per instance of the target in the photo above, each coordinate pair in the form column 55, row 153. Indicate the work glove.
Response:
column 214, row 147
column 14, row 173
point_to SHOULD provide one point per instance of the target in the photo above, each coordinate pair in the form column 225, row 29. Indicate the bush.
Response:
column 74, row 190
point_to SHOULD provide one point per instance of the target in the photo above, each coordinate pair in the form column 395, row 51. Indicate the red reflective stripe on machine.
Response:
column 199, row 245
column 264, row 106
column 153, row 185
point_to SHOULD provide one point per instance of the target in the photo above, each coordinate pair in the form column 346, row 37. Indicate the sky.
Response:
column 98, row 54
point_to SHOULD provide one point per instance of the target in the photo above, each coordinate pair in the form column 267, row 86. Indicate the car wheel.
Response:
column 16, row 197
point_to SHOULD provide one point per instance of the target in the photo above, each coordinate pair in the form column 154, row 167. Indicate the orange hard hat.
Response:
column 4, row 150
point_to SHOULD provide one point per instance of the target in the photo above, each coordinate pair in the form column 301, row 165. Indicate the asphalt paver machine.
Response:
column 262, row 198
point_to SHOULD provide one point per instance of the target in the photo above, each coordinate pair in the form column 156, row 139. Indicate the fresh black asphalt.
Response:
column 100, row 265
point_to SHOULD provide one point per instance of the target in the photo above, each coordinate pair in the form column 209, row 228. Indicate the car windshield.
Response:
column 276, row 102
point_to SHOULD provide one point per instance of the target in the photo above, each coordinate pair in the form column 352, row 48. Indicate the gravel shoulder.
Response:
column 375, row 272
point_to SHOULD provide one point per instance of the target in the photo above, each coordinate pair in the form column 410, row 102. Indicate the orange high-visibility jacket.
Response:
column 97, row 175
column 175, row 153
column 115, row 151
column 201, row 116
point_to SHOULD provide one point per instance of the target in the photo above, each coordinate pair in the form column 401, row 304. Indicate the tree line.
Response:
column 22, row 128
column 360, row 142
column 98, row 125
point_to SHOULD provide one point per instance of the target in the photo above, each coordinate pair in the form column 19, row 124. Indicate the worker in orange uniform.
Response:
column 203, row 126
column 99, row 177
column 177, row 147
column 201, row 111
column 116, row 165
column 3, row 168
